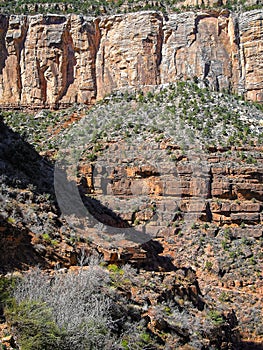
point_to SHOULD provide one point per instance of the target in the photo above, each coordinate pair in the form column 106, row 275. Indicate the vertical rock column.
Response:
column 85, row 39
column 42, row 60
column 12, row 36
column 58, row 62
column 251, row 54
column 202, row 45
column 130, row 51
column 49, row 60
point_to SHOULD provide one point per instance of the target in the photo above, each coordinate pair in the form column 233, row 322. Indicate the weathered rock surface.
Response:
column 196, row 209
column 216, row 193
column 209, row 218
column 49, row 60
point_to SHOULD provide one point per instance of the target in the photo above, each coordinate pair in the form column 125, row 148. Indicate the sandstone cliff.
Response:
column 49, row 60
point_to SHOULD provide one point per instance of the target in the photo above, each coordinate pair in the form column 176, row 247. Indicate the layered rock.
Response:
column 207, row 216
column 49, row 60
column 204, row 210
column 214, row 192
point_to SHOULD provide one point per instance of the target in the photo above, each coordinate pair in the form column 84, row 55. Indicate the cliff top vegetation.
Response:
column 101, row 7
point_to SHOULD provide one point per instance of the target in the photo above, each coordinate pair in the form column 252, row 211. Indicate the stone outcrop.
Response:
column 52, row 60
column 227, row 196
column 202, row 211
column 205, row 217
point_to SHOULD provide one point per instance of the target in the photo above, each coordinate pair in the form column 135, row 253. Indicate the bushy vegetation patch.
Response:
column 102, row 7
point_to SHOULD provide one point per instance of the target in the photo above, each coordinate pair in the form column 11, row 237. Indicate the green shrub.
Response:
column 208, row 265
column 46, row 237
column 6, row 286
column 216, row 317
column 67, row 312
column 224, row 297
column 35, row 326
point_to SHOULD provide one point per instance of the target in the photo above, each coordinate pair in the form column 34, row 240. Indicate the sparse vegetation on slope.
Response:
column 89, row 310
column 212, row 141
column 182, row 111
column 101, row 7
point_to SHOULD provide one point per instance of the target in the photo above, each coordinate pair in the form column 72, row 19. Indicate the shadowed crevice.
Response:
column 4, row 20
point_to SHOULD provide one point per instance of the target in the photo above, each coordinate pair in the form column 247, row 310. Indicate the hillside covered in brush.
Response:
column 151, row 203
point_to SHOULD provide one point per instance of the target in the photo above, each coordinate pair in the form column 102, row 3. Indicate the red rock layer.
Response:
column 49, row 60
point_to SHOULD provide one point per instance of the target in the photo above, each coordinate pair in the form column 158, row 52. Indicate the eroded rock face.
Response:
column 203, row 46
column 251, row 30
column 214, row 192
column 130, row 51
column 47, row 60
column 208, row 217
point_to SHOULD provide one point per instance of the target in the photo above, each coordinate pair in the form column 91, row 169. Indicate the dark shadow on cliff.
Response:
column 24, row 177
column 16, row 249
column 3, row 49
column 22, row 169
column 154, row 261
column 24, row 172
column 21, row 166
column 74, row 201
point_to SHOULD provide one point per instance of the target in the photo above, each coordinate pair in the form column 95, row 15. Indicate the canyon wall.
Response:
column 56, row 60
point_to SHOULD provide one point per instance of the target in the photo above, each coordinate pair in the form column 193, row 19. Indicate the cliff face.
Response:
column 57, row 59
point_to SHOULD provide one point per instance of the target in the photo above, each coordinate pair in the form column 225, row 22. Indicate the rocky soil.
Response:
column 169, row 181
